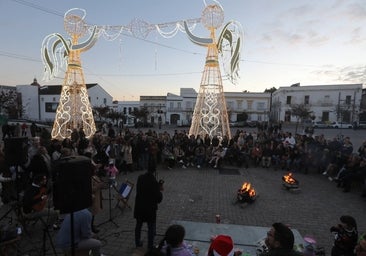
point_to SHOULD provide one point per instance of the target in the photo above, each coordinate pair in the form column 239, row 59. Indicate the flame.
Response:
column 289, row 179
column 247, row 187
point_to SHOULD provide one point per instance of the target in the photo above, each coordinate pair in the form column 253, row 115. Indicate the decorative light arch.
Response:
column 74, row 110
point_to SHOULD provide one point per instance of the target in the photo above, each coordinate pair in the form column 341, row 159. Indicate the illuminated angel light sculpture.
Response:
column 210, row 114
column 74, row 110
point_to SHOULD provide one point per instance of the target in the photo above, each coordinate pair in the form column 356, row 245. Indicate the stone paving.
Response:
column 199, row 194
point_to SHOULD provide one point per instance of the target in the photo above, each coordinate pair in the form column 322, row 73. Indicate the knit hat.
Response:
column 222, row 245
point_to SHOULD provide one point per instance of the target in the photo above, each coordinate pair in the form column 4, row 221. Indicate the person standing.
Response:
column 280, row 241
column 33, row 129
column 148, row 196
column 24, row 129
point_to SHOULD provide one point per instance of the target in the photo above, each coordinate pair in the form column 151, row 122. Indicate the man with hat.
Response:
column 280, row 241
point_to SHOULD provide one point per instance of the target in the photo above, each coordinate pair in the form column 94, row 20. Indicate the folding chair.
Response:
column 123, row 194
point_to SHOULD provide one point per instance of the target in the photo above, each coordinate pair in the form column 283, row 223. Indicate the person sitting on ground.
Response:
column 83, row 236
column 357, row 173
column 280, row 241
column 179, row 156
column 222, row 245
column 346, row 235
column 173, row 242
column 200, row 154
column 217, row 154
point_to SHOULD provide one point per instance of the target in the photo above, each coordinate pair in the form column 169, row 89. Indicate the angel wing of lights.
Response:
column 229, row 45
column 54, row 52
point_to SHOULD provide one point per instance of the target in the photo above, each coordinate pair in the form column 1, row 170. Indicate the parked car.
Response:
column 341, row 125
column 29, row 123
column 238, row 124
column 251, row 123
column 321, row 124
column 361, row 125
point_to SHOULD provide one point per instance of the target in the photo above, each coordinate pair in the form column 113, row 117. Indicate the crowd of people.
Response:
column 271, row 148
column 131, row 150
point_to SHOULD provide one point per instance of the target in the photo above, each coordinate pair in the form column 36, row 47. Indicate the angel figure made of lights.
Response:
column 210, row 114
column 74, row 110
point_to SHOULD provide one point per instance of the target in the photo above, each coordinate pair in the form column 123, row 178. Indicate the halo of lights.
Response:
column 212, row 16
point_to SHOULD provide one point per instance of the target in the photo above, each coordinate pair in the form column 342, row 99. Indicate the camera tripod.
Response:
column 46, row 234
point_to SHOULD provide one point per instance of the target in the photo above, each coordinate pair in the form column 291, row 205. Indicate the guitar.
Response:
column 40, row 205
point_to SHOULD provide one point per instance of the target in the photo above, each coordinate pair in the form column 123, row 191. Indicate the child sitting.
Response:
column 111, row 171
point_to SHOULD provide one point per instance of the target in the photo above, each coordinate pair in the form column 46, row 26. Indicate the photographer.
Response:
column 345, row 235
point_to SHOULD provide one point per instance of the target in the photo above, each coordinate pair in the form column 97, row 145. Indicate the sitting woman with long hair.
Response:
column 173, row 242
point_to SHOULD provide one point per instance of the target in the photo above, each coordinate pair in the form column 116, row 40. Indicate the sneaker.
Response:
column 184, row 167
column 55, row 227
column 181, row 161
column 198, row 166
column 330, row 178
column 325, row 173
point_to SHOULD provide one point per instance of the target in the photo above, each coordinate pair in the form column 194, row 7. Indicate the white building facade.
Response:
column 327, row 102
column 155, row 106
column 341, row 102
column 255, row 105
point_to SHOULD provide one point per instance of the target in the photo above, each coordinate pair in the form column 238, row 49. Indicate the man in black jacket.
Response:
column 148, row 196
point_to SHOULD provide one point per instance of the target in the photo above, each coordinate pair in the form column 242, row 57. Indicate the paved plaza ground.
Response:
column 199, row 194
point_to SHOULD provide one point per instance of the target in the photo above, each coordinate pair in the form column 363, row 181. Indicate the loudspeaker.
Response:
column 72, row 189
column 16, row 150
